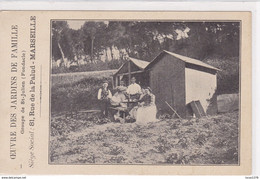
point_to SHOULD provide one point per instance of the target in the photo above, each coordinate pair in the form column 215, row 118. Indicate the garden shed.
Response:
column 179, row 80
column 131, row 68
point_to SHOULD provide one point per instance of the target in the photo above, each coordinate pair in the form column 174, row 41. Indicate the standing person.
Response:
column 133, row 90
column 104, row 96
column 122, row 83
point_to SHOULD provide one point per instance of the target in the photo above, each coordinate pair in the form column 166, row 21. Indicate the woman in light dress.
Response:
column 146, row 110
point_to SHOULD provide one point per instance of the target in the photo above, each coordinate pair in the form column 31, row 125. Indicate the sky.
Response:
column 75, row 24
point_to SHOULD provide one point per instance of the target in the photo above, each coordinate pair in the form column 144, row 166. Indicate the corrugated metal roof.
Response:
column 140, row 63
column 191, row 60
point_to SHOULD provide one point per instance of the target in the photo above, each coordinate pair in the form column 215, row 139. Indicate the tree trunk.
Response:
column 106, row 55
column 111, row 50
column 62, row 54
column 92, row 48
column 129, row 72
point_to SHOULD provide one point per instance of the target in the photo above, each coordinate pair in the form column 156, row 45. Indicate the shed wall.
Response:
column 201, row 86
column 167, row 80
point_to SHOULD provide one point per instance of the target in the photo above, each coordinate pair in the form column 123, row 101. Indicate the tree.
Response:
column 93, row 33
column 207, row 39
column 58, row 29
column 144, row 39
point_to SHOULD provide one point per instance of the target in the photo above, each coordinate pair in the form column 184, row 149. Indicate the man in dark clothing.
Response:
column 104, row 96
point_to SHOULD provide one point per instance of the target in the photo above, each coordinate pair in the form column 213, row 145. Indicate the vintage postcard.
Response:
column 125, row 92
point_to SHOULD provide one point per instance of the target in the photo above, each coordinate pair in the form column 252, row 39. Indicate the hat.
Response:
column 121, row 88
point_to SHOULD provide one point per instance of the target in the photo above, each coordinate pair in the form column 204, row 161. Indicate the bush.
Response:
column 228, row 77
column 78, row 95
column 95, row 66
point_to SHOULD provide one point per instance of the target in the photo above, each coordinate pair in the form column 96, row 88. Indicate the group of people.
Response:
column 138, row 102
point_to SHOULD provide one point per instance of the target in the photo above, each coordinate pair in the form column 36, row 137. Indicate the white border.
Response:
column 252, row 6
column 127, row 5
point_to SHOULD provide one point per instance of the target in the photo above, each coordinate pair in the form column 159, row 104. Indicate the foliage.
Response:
column 228, row 77
column 216, row 43
column 212, row 140
column 144, row 40
column 77, row 95
column 211, row 39
column 71, row 78
column 98, row 66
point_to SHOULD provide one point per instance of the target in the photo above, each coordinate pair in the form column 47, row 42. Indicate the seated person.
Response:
column 119, row 97
column 146, row 110
column 117, row 101
column 133, row 90
column 122, row 87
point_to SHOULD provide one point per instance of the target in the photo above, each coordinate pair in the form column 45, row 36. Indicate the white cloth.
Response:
column 133, row 89
column 144, row 114
column 117, row 99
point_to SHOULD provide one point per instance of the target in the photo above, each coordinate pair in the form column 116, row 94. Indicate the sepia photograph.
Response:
column 144, row 92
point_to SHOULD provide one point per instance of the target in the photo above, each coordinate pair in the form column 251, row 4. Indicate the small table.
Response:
column 131, row 104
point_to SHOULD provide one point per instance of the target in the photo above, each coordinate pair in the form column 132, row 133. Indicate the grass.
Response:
column 90, row 140
column 70, row 78
column 75, row 91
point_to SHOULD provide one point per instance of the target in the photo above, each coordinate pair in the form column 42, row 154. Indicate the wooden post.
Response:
column 113, row 82
column 118, row 81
